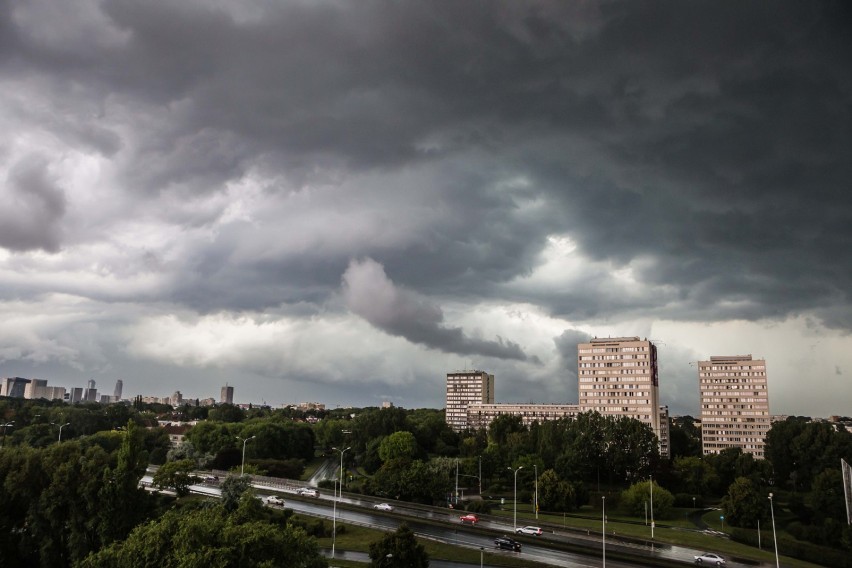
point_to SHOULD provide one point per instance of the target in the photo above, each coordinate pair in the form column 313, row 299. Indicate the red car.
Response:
column 472, row 519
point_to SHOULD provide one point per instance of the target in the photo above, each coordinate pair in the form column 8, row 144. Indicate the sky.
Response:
column 341, row 201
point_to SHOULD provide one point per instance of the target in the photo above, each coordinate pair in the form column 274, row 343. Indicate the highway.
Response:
column 474, row 537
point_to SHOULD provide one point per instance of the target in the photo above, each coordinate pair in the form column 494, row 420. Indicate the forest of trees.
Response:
column 78, row 503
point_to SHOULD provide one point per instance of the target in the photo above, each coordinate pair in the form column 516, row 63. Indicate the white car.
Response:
column 274, row 500
column 710, row 558
column 308, row 492
column 536, row 531
column 383, row 507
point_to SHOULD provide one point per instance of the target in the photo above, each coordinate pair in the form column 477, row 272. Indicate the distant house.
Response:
column 176, row 433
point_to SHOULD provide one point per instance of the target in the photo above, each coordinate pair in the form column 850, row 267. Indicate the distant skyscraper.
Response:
column 734, row 404
column 227, row 394
column 15, row 387
column 465, row 388
column 618, row 377
column 119, row 385
column 76, row 394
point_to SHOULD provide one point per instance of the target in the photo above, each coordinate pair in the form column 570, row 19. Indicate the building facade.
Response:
column 619, row 377
column 480, row 415
column 734, row 404
column 463, row 389
column 14, row 387
column 227, row 395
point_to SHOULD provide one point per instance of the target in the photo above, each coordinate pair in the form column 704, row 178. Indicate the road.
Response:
column 475, row 537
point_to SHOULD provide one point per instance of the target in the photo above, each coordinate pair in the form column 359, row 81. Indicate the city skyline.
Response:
column 344, row 202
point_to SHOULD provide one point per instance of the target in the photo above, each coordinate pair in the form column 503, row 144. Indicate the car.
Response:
column 470, row 518
column 211, row 479
column 274, row 500
column 507, row 543
column 383, row 507
column 710, row 558
column 536, row 531
column 308, row 492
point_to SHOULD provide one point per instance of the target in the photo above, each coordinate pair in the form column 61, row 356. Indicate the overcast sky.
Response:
column 341, row 201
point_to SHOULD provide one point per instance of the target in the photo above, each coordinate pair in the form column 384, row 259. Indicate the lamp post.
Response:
column 693, row 502
column 535, row 466
column 774, row 538
column 480, row 476
column 61, row 426
column 337, row 498
column 515, row 515
column 457, row 482
column 603, row 528
column 481, row 553
column 243, row 465
column 6, row 425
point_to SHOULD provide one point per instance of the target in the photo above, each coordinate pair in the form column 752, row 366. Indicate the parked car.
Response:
column 710, row 558
column 308, row 492
column 470, row 518
column 507, row 543
column 383, row 507
column 536, row 531
column 211, row 479
column 274, row 500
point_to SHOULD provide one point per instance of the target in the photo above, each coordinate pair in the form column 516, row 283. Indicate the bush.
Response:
column 633, row 500
column 478, row 506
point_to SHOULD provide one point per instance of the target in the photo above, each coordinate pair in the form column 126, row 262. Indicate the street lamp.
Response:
column 603, row 528
column 457, row 482
column 481, row 553
column 693, row 502
column 9, row 425
column 337, row 498
column 243, row 465
column 774, row 538
column 535, row 466
column 60, row 430
column 515, row 516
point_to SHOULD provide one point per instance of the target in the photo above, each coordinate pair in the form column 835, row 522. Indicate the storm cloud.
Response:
column 464, row 181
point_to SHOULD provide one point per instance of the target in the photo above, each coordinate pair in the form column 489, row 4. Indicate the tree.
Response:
column 634, row 498
column 684, row 438
column 555, row 494
column 232, row 490
column 122, row 501
column 398, row 446
column 210, row 538
column 177, row 475
column 695, row 475
column 744, row 504
column 398, row 549
column 828, row 498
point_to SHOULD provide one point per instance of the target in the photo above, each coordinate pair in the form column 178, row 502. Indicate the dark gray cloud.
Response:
column 372, row 295
column 33, row 207
column 222, row 158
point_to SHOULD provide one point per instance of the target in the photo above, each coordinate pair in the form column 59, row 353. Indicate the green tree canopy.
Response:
column 399, row 549
column 745, row 503
column 634, row 500
column 210, row 538
column 398, row 446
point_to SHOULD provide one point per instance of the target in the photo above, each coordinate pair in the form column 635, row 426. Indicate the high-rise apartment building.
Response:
column 465, row 388
column 618, row 377
column 119, row 386
column 15, row 387
column 734, row 404
column 227, row 395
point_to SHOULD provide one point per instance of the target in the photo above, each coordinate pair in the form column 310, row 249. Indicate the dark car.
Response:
column 507, row 543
